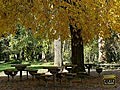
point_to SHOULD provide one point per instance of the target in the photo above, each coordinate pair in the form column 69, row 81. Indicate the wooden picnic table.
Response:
column 21, row 67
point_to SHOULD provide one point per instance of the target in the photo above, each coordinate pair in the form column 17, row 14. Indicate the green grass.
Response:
column 41, row 65
column 4, row 66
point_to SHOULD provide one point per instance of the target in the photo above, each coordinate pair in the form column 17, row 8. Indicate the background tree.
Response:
column 112, row 48
column 5, row 50
column 91, row 52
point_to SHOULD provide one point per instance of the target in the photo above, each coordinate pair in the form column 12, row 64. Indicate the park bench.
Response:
column 32, row 72
column 44, row 77
column 10, row 72
column 110, row 66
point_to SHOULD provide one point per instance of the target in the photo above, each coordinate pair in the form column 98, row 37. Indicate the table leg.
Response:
column 54, row 79
column 88, row 71
column 20, row 74
column 27, row 73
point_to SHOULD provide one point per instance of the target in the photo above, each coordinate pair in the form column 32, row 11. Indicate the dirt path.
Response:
column 93, row 82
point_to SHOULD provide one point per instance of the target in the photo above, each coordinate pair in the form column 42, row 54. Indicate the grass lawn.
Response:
column 4, row 66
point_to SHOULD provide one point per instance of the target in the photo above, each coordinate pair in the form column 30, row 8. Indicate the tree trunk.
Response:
column 77, row 49
column 102, row 51
column 57, row 53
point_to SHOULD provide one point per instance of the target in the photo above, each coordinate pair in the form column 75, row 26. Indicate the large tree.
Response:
column 82, row 20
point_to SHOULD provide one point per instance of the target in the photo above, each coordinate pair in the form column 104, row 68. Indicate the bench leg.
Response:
column 8, row 77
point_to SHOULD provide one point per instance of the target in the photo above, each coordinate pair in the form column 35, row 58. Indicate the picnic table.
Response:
column 21, row 67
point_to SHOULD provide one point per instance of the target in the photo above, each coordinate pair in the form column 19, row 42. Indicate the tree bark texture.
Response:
column 77, row 49
column 102, row 51
column 57, row 53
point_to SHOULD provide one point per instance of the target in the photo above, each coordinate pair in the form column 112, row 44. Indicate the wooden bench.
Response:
column 32, row 72
column 44, row 77
column 10, row 72
column 109, row 65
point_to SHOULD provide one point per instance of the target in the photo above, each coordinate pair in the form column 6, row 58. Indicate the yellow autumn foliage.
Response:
column 51, row 18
